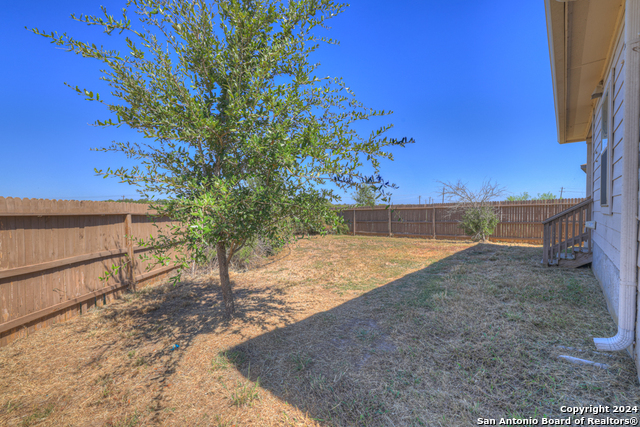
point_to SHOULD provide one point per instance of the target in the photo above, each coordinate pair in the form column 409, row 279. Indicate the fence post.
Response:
column 426, row 221
column 128, row 231
column 389, row 212
column 545, row 245
column 433, row 222
column 354, row 222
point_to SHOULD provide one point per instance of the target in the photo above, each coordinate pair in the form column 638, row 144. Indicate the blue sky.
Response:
column 470, row 81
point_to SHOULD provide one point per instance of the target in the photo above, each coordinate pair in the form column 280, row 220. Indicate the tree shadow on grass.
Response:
column 469, row 336
column 158, row 325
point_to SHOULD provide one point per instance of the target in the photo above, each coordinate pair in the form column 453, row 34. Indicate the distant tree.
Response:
column 525, row 196
column 522, row 196
column 545, row 196
column 148, row 201
column 479, row 219
column 365, row 196
column 240, row 132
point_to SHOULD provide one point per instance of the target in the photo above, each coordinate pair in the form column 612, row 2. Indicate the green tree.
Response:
column 522, row 196
column 241, row 133
column 364, row 196
column 545, row 196
column 525, row 196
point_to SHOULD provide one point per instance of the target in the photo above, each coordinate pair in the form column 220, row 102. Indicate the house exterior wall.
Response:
column 606, row 236
column 609, row 276
column 577, row 29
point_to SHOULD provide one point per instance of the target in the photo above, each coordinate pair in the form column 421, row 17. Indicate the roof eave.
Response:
column 555, row 37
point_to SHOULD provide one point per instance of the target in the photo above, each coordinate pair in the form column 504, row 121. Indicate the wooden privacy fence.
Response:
column 520, row 221
column 52, row 253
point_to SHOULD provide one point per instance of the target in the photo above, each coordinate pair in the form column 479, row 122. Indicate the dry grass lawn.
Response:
column 341, row 330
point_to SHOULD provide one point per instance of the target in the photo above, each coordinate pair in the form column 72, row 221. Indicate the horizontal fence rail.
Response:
column 53, row 252
column 520, row 221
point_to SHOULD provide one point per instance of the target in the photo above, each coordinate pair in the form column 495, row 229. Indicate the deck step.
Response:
column 578, row 261
column 564, row 255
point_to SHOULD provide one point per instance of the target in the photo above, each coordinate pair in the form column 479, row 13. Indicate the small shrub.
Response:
column 342, row 228
column 479, row 222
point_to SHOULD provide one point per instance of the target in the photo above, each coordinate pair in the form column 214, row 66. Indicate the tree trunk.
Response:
column 225, row 283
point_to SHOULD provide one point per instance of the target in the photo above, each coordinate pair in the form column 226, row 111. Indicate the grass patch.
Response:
column 246, row 394
column 129, row 420
column 301, row 361
column 38, row 416
column 140, row 361
column 427, row 289
column 226, row 358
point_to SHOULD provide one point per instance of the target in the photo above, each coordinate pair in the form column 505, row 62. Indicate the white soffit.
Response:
column 580, row 35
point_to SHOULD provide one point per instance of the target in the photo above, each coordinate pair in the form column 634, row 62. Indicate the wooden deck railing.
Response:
column 567, row 230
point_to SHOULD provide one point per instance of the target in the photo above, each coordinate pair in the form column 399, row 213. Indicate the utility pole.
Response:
column 561, row 189
column 419, row 199
column 442, row 194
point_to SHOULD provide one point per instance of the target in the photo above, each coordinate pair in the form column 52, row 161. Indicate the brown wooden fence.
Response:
column 52, row 253
column 520, row 221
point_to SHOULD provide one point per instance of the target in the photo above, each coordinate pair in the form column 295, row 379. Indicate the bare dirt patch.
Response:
column 334, row 331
